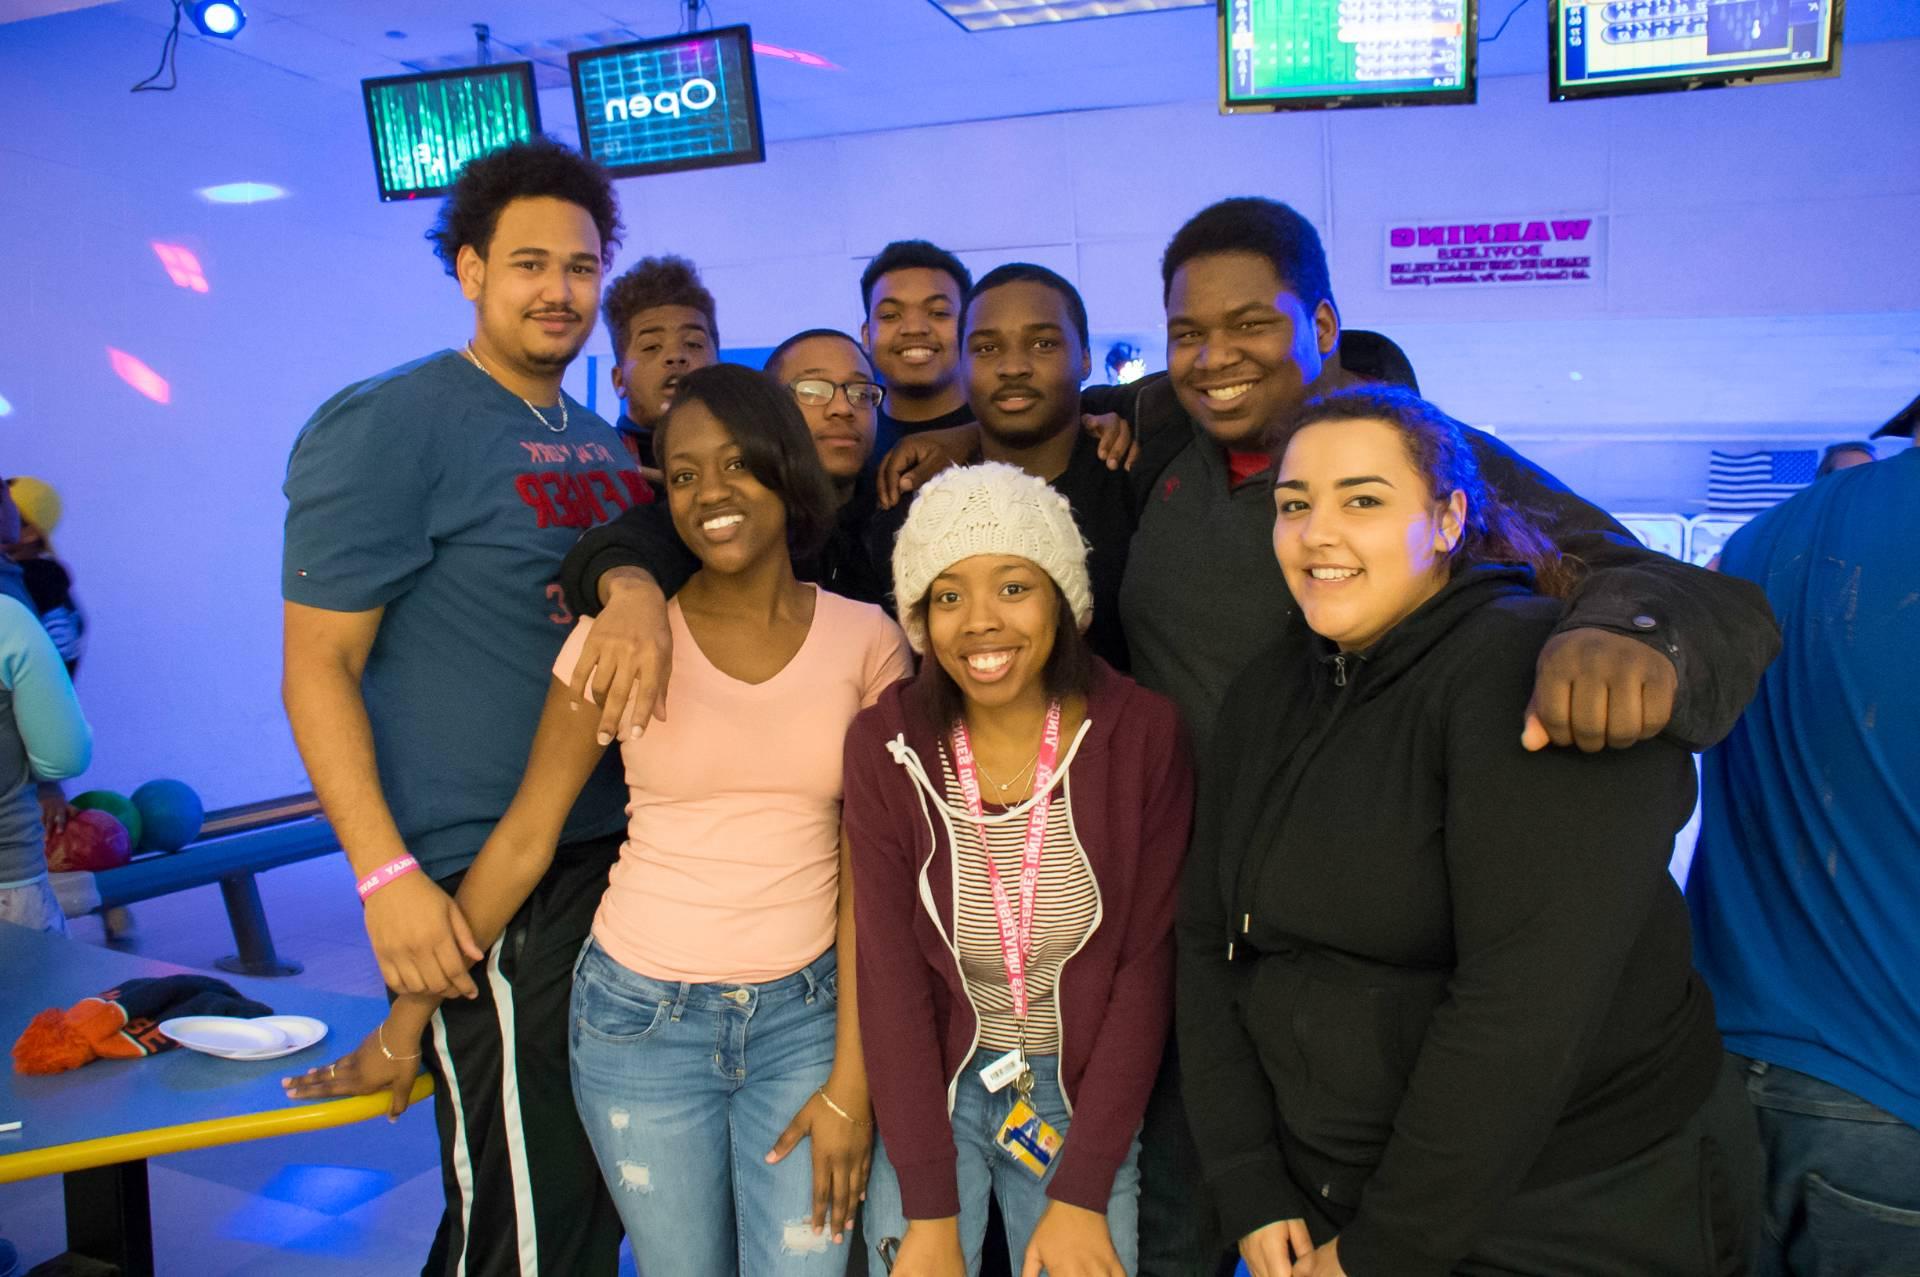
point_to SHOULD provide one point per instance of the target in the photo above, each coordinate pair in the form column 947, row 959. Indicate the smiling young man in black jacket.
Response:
column 1649, row 644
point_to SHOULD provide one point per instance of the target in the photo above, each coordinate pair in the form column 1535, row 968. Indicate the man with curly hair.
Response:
column 661, row 319
column 429, row 508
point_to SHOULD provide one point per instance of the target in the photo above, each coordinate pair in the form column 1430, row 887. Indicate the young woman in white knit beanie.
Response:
column 1017, row 816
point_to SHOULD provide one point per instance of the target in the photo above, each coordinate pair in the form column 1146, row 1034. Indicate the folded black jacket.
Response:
column 1421, row 968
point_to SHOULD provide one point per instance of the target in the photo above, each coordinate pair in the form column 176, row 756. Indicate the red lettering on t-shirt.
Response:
column 560, row 613
column 637, row 487
column 583, row 483
column 602, row 482
column 566, row 499
column 530, row 490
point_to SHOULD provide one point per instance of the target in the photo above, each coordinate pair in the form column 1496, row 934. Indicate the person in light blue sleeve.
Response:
column 1807, row 882
column 13, row 582
column 43, row 736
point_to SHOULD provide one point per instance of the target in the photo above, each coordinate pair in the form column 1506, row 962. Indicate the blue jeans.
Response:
column 683, row 1089
column 986, row 1170
column 1843, row 1180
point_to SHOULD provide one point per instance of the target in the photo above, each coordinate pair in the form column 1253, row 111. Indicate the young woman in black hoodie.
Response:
column 1436, row 1007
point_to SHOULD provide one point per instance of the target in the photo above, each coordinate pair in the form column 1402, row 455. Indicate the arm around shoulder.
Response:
column 1717, row 632
column 641, row 537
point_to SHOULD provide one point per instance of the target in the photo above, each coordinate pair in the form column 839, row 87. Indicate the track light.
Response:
column 221, row 19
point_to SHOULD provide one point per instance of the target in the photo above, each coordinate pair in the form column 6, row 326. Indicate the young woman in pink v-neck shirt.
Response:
column 712, row 1025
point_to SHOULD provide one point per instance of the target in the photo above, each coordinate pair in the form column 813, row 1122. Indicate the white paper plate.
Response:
column 301, row 1031
column 224, row 1035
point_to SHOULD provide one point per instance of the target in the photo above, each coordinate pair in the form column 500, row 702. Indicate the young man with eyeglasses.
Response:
column 829, row 376
column 1024, row 355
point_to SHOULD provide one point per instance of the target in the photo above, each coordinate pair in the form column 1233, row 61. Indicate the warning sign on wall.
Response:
column 1558, row 249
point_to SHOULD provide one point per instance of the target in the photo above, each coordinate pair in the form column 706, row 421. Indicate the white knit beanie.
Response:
column 991, row 508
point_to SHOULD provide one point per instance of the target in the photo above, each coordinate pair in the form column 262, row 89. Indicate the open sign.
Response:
column 697, row 94
column 666, row 105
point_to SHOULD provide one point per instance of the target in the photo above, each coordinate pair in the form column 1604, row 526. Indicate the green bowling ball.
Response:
column 118, row 806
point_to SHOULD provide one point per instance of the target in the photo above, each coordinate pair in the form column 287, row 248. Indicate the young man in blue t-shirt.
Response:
column 428, row 511
column 1807, row 879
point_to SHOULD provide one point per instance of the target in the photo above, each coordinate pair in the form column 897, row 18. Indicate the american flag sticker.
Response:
column 1750, row 482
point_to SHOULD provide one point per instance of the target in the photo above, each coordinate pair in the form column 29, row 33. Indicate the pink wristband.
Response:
column 385, row 874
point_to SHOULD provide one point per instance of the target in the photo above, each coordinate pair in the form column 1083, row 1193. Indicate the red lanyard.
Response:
column 1016, row 932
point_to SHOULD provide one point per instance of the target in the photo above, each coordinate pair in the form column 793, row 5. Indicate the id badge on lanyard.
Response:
column 1031, row 1141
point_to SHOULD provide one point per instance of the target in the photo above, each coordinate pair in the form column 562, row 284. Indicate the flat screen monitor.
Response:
column 1289, row 55
column 426, row 127
column 661, row 106
column 1598, row 48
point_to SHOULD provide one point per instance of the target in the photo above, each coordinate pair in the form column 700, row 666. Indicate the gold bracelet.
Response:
column 822, row 1093
column 381, row 1034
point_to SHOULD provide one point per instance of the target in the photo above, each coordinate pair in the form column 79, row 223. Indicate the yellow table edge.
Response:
column 87, row 1154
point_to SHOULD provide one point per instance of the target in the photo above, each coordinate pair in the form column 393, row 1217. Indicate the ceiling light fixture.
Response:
column 998, row 15
column 221, row 19
column 242, row 193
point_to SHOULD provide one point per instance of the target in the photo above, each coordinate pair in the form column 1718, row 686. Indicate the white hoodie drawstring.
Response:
column 905, row 755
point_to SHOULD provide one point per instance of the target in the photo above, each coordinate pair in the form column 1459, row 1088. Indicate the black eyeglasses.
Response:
column 818, row 392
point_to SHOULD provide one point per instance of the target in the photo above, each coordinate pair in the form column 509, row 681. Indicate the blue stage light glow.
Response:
column 5, row 407
column 221, row 19
column 330, row 1190
column 305, row 1209
column 242, row 193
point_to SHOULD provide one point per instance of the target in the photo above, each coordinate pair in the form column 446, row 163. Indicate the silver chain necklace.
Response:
column 538, row 415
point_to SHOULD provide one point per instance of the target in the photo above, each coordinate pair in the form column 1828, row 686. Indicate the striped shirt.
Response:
column 1066, row 903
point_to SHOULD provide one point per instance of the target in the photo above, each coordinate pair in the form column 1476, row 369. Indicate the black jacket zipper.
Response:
column 1240, row 918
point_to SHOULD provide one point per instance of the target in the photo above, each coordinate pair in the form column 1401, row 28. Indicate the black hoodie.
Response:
column 1420, row 967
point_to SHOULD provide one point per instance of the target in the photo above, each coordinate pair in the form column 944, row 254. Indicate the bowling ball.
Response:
column 118, row 806
column 170, row 814
column 91, row 840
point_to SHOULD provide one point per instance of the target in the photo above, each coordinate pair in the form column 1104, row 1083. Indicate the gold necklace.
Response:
column 1017, row 776
column 538, row 415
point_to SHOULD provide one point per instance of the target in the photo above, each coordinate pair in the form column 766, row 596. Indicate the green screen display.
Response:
column 426, row 127
column 1281, row 53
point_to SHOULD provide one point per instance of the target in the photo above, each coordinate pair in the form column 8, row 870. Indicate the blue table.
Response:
column 97, row 1125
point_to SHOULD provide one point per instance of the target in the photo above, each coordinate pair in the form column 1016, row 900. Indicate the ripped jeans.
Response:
column 683, row 1089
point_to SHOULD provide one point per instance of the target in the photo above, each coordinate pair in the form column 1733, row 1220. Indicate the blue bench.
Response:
column 234, row 844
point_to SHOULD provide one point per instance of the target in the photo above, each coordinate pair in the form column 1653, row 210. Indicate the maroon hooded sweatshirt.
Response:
column 1128, row 784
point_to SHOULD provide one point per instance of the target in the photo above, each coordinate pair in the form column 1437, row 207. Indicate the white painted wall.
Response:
column 1762, row 285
